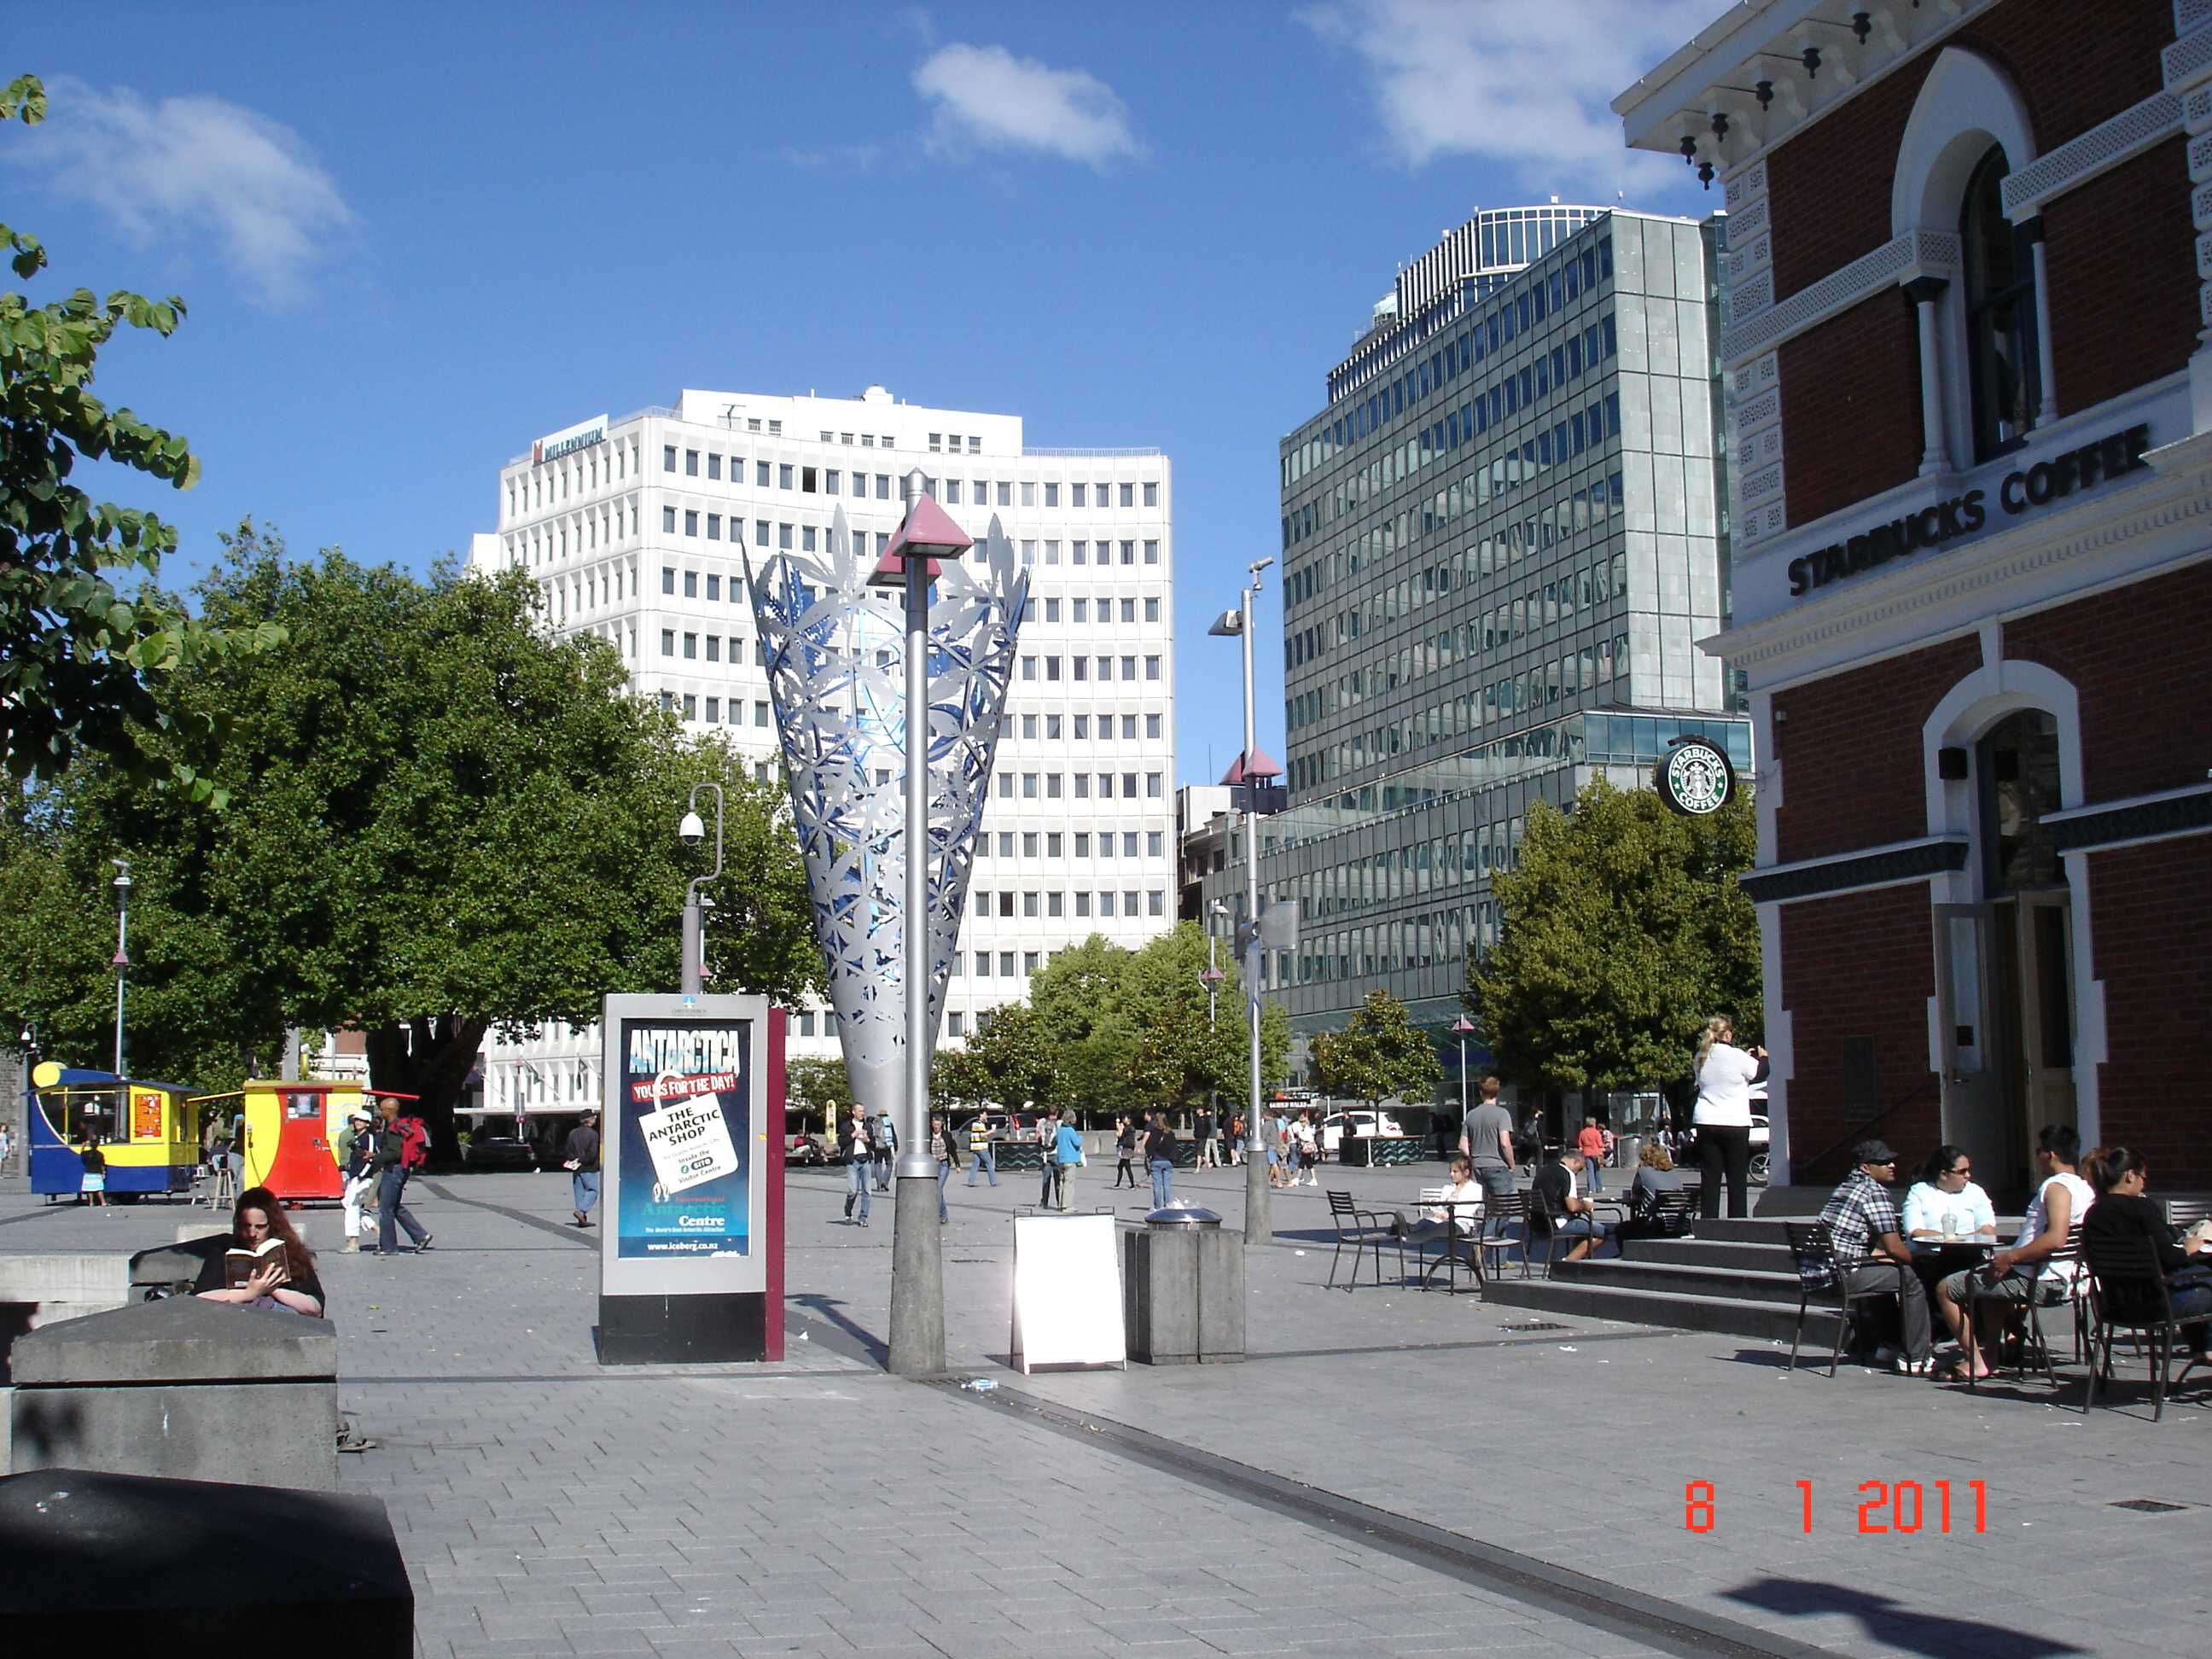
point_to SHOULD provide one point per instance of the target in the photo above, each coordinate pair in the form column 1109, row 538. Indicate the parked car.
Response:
column 1364, row 1123
column 499, row 1153
column 1760, row 1139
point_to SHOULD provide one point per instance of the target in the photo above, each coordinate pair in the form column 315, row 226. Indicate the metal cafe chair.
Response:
column 2129, row 1292
column 1813, row 1247
column 1362, row 1230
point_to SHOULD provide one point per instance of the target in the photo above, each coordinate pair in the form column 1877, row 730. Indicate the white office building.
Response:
column 636, row 529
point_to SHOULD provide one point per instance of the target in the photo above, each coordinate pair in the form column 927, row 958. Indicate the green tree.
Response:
column 1623, row 929
column 442, row 821
column 1178, row 1055
column 820, row 1086
column 80, row 663
column 1380, row 1054
column 1012, row 1062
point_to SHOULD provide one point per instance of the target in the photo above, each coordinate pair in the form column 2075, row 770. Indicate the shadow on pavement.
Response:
column 858, row 1339
column 1897, row 1628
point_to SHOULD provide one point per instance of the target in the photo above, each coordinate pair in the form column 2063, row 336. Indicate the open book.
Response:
column 241, row 1264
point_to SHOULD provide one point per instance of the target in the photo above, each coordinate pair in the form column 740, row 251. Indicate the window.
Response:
column 760, row 532
column 690, row 463
column 667, row 578
column 1152, row 610
column 760, row 475
column 691, row 645
column 1075, row 497
column 668, row 457
column 667, row 641
column 1128, row 494
column 2003, row 370
column 668, row 521
column 783, row 476
column 714, row 706
column 714, row 651
column 713, row 526
column 1151, row 494
column 713, row 471
column 714, row 587
column 690, row 706
column 1052, row 494
column 1151, row 552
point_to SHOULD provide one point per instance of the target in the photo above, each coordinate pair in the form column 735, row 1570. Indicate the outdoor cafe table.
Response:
column 1936, row 1260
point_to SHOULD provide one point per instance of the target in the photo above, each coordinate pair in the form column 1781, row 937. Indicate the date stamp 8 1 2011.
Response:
column 1884, row 1506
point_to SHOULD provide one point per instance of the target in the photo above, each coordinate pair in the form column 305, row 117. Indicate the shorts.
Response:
column 2016, row 1287
column 93, row 1183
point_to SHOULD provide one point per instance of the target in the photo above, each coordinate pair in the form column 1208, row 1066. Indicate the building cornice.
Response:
column 1855, row 872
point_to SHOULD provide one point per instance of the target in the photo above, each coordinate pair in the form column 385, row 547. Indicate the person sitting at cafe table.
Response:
column 1945, row 1204
column 1552, row 1192
column 2024, row 1271
column 258, row 1218
column 1460, row 1207
column 1868, row 1252
column 2123, row 1215
column 1656, row 1176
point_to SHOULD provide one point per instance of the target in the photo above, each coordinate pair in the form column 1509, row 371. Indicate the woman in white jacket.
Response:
column 1722, row 1115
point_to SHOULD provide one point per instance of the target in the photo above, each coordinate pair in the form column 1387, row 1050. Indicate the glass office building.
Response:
column 1501, row 539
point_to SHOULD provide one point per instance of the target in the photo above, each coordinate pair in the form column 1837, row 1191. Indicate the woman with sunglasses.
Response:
column 1945, row 1206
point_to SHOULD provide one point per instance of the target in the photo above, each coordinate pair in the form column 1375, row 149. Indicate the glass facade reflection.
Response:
column 1501, row 540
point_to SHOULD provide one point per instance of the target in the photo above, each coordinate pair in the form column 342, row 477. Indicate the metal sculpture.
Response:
column 836, row 665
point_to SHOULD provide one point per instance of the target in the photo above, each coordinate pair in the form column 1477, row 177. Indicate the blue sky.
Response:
column 412, row 238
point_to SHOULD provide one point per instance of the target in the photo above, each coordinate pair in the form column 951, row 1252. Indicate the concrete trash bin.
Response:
column 181, row 1388
column 1183, row 1288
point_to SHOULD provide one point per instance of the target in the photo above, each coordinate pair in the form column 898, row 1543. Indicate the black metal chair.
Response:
column 2129, row 1291
column 1363, row 1229
column 1498, row 1214
column 2032, row 1344
column 1671, row 1215
column 1554, row 1220
column 2183, row 1214
column 1454, row 1248
column 1813, row 1248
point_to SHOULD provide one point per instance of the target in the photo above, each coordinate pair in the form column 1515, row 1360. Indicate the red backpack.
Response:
column 414, row 1142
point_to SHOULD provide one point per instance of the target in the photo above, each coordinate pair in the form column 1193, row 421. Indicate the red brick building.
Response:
column 1972, row 504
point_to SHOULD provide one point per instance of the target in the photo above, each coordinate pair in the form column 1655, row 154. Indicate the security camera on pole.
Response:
column 1259, row 1226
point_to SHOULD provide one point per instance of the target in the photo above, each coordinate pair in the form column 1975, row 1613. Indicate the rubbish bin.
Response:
column 1627, row 1151
column 1183, row 1288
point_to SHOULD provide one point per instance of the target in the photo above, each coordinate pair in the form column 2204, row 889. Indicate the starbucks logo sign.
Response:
column 1696, row 778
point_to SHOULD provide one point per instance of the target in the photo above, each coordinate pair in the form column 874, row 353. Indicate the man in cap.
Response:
column 581, row 1159
column 355, row 1147
column 1870, row 1251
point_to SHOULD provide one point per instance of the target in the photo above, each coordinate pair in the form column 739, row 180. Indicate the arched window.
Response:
column 2001, row 352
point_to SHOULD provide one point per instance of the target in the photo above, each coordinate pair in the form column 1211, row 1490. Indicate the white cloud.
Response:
column 190, row 167
column 1527, row 84
column 986, row 96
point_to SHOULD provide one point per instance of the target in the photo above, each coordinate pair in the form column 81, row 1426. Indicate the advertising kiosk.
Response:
column 691, row 1254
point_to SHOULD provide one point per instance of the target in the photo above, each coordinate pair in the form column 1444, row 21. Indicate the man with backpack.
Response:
column 402, row 1146
column 883, row 1148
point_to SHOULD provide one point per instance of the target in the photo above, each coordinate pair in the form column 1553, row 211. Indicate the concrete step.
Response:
column 1700, row 1252
column 1724, row 1315
column 1683, row 1278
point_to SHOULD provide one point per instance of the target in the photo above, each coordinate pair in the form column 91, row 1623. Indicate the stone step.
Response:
column 1683, row 1278
column 1702, row 1252
column 1724, row 1315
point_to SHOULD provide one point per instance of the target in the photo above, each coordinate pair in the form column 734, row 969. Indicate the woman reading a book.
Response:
column 267, row 1265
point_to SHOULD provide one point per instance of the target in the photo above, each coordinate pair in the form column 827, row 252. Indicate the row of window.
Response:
column 1540, row 685
column 1079, row 668
column 696, row 524
column 950, row 443
column 708, row 648
column 583, row 532
column 1556, row 603
column 1029, row 783
column 1516, row 315
column 1053, row 727
column 1510, row 467
column 831, row 480
column 1079, row 610
column 1442, row 939
column 602, row 463
column 1134, row 901
column 1052, row 842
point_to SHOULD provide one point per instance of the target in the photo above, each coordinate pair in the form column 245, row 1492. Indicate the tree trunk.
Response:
column 430, row 1058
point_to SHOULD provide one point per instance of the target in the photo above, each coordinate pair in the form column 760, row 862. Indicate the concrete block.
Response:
column 1220, row 1295
column 181, row 1388
column 1160, row 1295
column 99, row 1278
column 95, row 1560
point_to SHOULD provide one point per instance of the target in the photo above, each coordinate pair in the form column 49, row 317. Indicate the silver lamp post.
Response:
column 122, row 950
column 1259, row 1226
column 695, row 922
column 917, row 1336
column 1463, row 1029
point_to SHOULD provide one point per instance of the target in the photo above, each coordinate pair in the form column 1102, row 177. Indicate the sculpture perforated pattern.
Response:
column 836, row 664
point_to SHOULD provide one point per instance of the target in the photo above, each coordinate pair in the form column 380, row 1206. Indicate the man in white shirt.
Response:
column 2023, row 1273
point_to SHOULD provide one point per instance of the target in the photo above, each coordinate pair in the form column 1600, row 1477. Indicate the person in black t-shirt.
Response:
column 580, row 1157
column 1554, row 1195
column 1159, row 1159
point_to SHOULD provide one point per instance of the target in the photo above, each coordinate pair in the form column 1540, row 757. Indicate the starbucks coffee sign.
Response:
column 1695, row 778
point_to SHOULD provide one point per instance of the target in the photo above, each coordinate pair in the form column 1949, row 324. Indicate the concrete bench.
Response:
column 183, row 1388
column 92, row 1561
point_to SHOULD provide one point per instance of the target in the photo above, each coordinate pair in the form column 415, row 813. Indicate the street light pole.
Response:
column 122, row 950
column 1463, row 1029
column 1259, row 1227
column 695, row 922
column 917, row 1333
